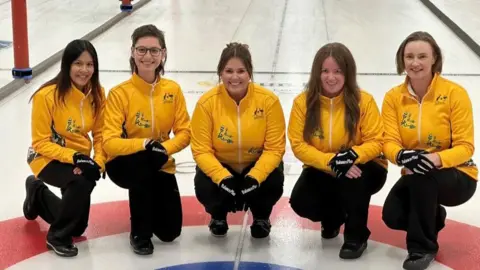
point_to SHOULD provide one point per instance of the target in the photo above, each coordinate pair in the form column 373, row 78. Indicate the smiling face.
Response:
column 332, row 77
column 419, row 59
column 81, row 70
column 147, row 54
column 235, row 77
column 419, row 56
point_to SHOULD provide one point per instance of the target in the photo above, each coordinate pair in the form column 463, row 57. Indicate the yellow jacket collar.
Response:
column 249, row 94
column 407, row 89
column 77, row 93
column 142, row 85
column 329, row 101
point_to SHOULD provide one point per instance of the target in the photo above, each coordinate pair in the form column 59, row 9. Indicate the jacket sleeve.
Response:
column 302, row 150
column 462, row 130
column 181, row 127
column 114, row 118
column 392, row 139
column 202, row 150
column 98, row 153
column 371, row 128
column 274, row 145
column 41, row 126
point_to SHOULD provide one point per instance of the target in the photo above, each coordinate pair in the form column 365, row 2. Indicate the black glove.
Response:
column 249, row 186
column 85, row 162
column 158, row 153
column 415, row 161
column 90, row 169
column 227, row 186
column 342, row 162
column 91, row 175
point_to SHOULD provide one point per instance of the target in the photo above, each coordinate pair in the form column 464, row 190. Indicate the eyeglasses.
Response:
column 143, row 50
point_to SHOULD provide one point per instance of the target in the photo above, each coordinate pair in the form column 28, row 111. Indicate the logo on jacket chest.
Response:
column 72, row 126
column 318, row 133
column 432, row 141
column 140, row 121
column 224, row 136
column 255, row 150
column 441, row 99
column 407, row 121
column 258, row 113
column 168, row 98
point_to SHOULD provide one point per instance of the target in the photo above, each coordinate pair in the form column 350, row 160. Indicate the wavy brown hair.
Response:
column 344, row 58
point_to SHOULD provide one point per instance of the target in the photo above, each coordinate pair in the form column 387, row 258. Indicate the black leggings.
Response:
column 69, row 215
column 154, row 198
column 414, row 205
column 261, row 205
column 319, row 196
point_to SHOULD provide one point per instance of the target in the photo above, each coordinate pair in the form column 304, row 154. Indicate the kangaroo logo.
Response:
column 441, row 99
column 140, row 121
column 168, row 98
column 224, row 136
column 258, row 114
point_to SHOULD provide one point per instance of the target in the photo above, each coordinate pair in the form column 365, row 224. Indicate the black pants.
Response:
column 319, row 196
column 154, row 198
column 414, row 205
column 209, row 194
column 69, row 215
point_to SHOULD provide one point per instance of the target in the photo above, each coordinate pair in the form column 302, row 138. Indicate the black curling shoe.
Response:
column 418, row 261
column 330, row 233
column 218, row 227
column 141, row 246
column 29, row 210
column 63, row 250
column 352, row 250
column 260, row 228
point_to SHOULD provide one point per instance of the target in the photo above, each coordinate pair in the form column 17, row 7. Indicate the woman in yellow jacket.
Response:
column 140, row 113
column 64, row 110
column 429, row 132
column 336, row 130
column 238, row 141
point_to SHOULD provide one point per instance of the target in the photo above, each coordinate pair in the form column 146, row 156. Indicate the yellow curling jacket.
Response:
column 60, row 130
column 238, row 135
column 442, row 122
column 136, row 110
column 333, row 137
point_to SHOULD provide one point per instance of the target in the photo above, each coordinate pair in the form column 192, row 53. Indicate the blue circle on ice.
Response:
column 228, row 266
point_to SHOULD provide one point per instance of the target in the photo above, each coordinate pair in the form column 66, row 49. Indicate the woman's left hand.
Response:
column 354, row 172
column 435, row 159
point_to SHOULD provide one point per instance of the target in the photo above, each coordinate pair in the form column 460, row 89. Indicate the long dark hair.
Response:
column 351, row 92
column 63, row 81
column 149, row 30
